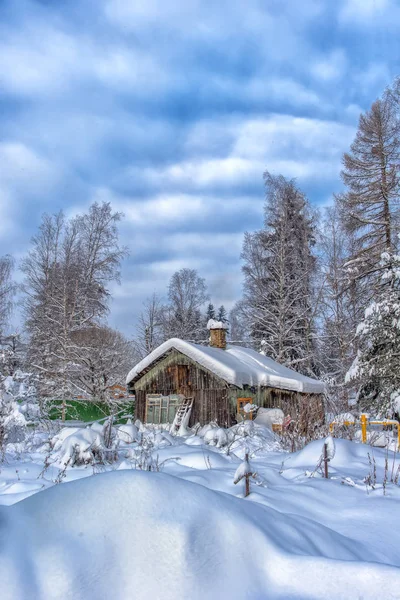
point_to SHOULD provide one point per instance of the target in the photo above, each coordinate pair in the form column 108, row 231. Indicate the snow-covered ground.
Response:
column 187, row 532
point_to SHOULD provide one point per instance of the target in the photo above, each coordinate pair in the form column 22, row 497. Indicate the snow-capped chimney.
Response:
column 217, row 331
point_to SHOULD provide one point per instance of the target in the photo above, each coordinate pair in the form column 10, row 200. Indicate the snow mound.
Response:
column 127, row 433
column 130, row 534
column 72, row 446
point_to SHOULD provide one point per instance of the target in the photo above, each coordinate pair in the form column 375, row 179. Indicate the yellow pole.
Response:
column 363, row 420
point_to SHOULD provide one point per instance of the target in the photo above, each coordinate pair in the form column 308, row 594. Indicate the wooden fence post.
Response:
column 326, row 461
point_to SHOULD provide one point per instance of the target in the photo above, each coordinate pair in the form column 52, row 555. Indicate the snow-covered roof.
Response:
column 236, row 365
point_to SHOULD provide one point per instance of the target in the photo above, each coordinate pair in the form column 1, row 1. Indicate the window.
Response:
column 161, row 409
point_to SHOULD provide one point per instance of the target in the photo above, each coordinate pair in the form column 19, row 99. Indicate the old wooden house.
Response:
column 219, row 379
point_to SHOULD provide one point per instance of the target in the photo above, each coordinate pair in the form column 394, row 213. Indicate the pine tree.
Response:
column 376, row 368
column 222, row 314
column 210, row 312
column 279, row 269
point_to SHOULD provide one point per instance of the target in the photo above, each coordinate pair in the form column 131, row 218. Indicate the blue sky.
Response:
column 172, row 110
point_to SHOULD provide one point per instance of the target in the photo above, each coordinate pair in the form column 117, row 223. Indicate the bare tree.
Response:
column 150, row 327
column 67, row 272
column 7, row 290
column 187, row 293
column 339, row 311
column 100, row 359
column 239, row 327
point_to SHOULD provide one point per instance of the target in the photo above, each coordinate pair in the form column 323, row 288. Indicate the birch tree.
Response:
column 67, row 271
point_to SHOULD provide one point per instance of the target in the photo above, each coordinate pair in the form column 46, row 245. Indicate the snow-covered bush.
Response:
column 75, row 447
column 21, row 386
column 216, row 436
column 247, row 434
column 203, row 430
column 127, row 433
column 269, row 417
column 12, row 422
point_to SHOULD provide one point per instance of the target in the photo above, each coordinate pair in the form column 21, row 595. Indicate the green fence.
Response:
column 76, row 410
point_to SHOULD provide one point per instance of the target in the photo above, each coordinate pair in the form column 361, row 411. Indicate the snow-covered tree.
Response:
column 187, row 293
column 12, row 422
column 7, row 290
column 67, row 271
column 239, row 328
column 279, row 268
column 150, row 329
column 100, row 359
column 339, row 307
column 210, row 312
column 12, row 354
column 376, row 369
column 222, row 315
column 370, row 204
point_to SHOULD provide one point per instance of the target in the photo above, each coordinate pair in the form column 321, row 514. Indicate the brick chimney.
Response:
column 217, row 331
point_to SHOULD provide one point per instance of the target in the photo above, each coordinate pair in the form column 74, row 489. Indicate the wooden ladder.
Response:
column 181, row 413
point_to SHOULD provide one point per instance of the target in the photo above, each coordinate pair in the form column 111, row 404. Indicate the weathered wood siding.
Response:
column 301, row 407
column 177, row 374
column 214, row 399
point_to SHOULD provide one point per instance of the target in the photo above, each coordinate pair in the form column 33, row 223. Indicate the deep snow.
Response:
column 188, row 532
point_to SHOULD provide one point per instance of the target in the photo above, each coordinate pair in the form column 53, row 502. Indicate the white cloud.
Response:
column 309, row 149
column 363, row 10
column 24, row 176
column 22, row 167
column 331, row 67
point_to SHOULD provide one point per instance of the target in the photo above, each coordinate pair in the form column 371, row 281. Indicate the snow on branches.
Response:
column 376, row 367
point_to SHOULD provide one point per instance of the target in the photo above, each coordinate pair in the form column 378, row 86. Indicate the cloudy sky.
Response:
column 172, row 110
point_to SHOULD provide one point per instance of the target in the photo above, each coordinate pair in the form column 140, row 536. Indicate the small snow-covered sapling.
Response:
column 244, row 471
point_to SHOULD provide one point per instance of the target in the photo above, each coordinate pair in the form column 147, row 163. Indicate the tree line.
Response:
column 320, row 289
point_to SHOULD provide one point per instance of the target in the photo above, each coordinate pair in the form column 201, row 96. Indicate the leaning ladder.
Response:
column 183, row 410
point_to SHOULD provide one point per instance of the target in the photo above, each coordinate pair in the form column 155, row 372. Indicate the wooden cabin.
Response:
column 220, row 379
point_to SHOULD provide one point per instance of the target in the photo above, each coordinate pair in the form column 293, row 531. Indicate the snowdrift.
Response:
column 130, row 534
